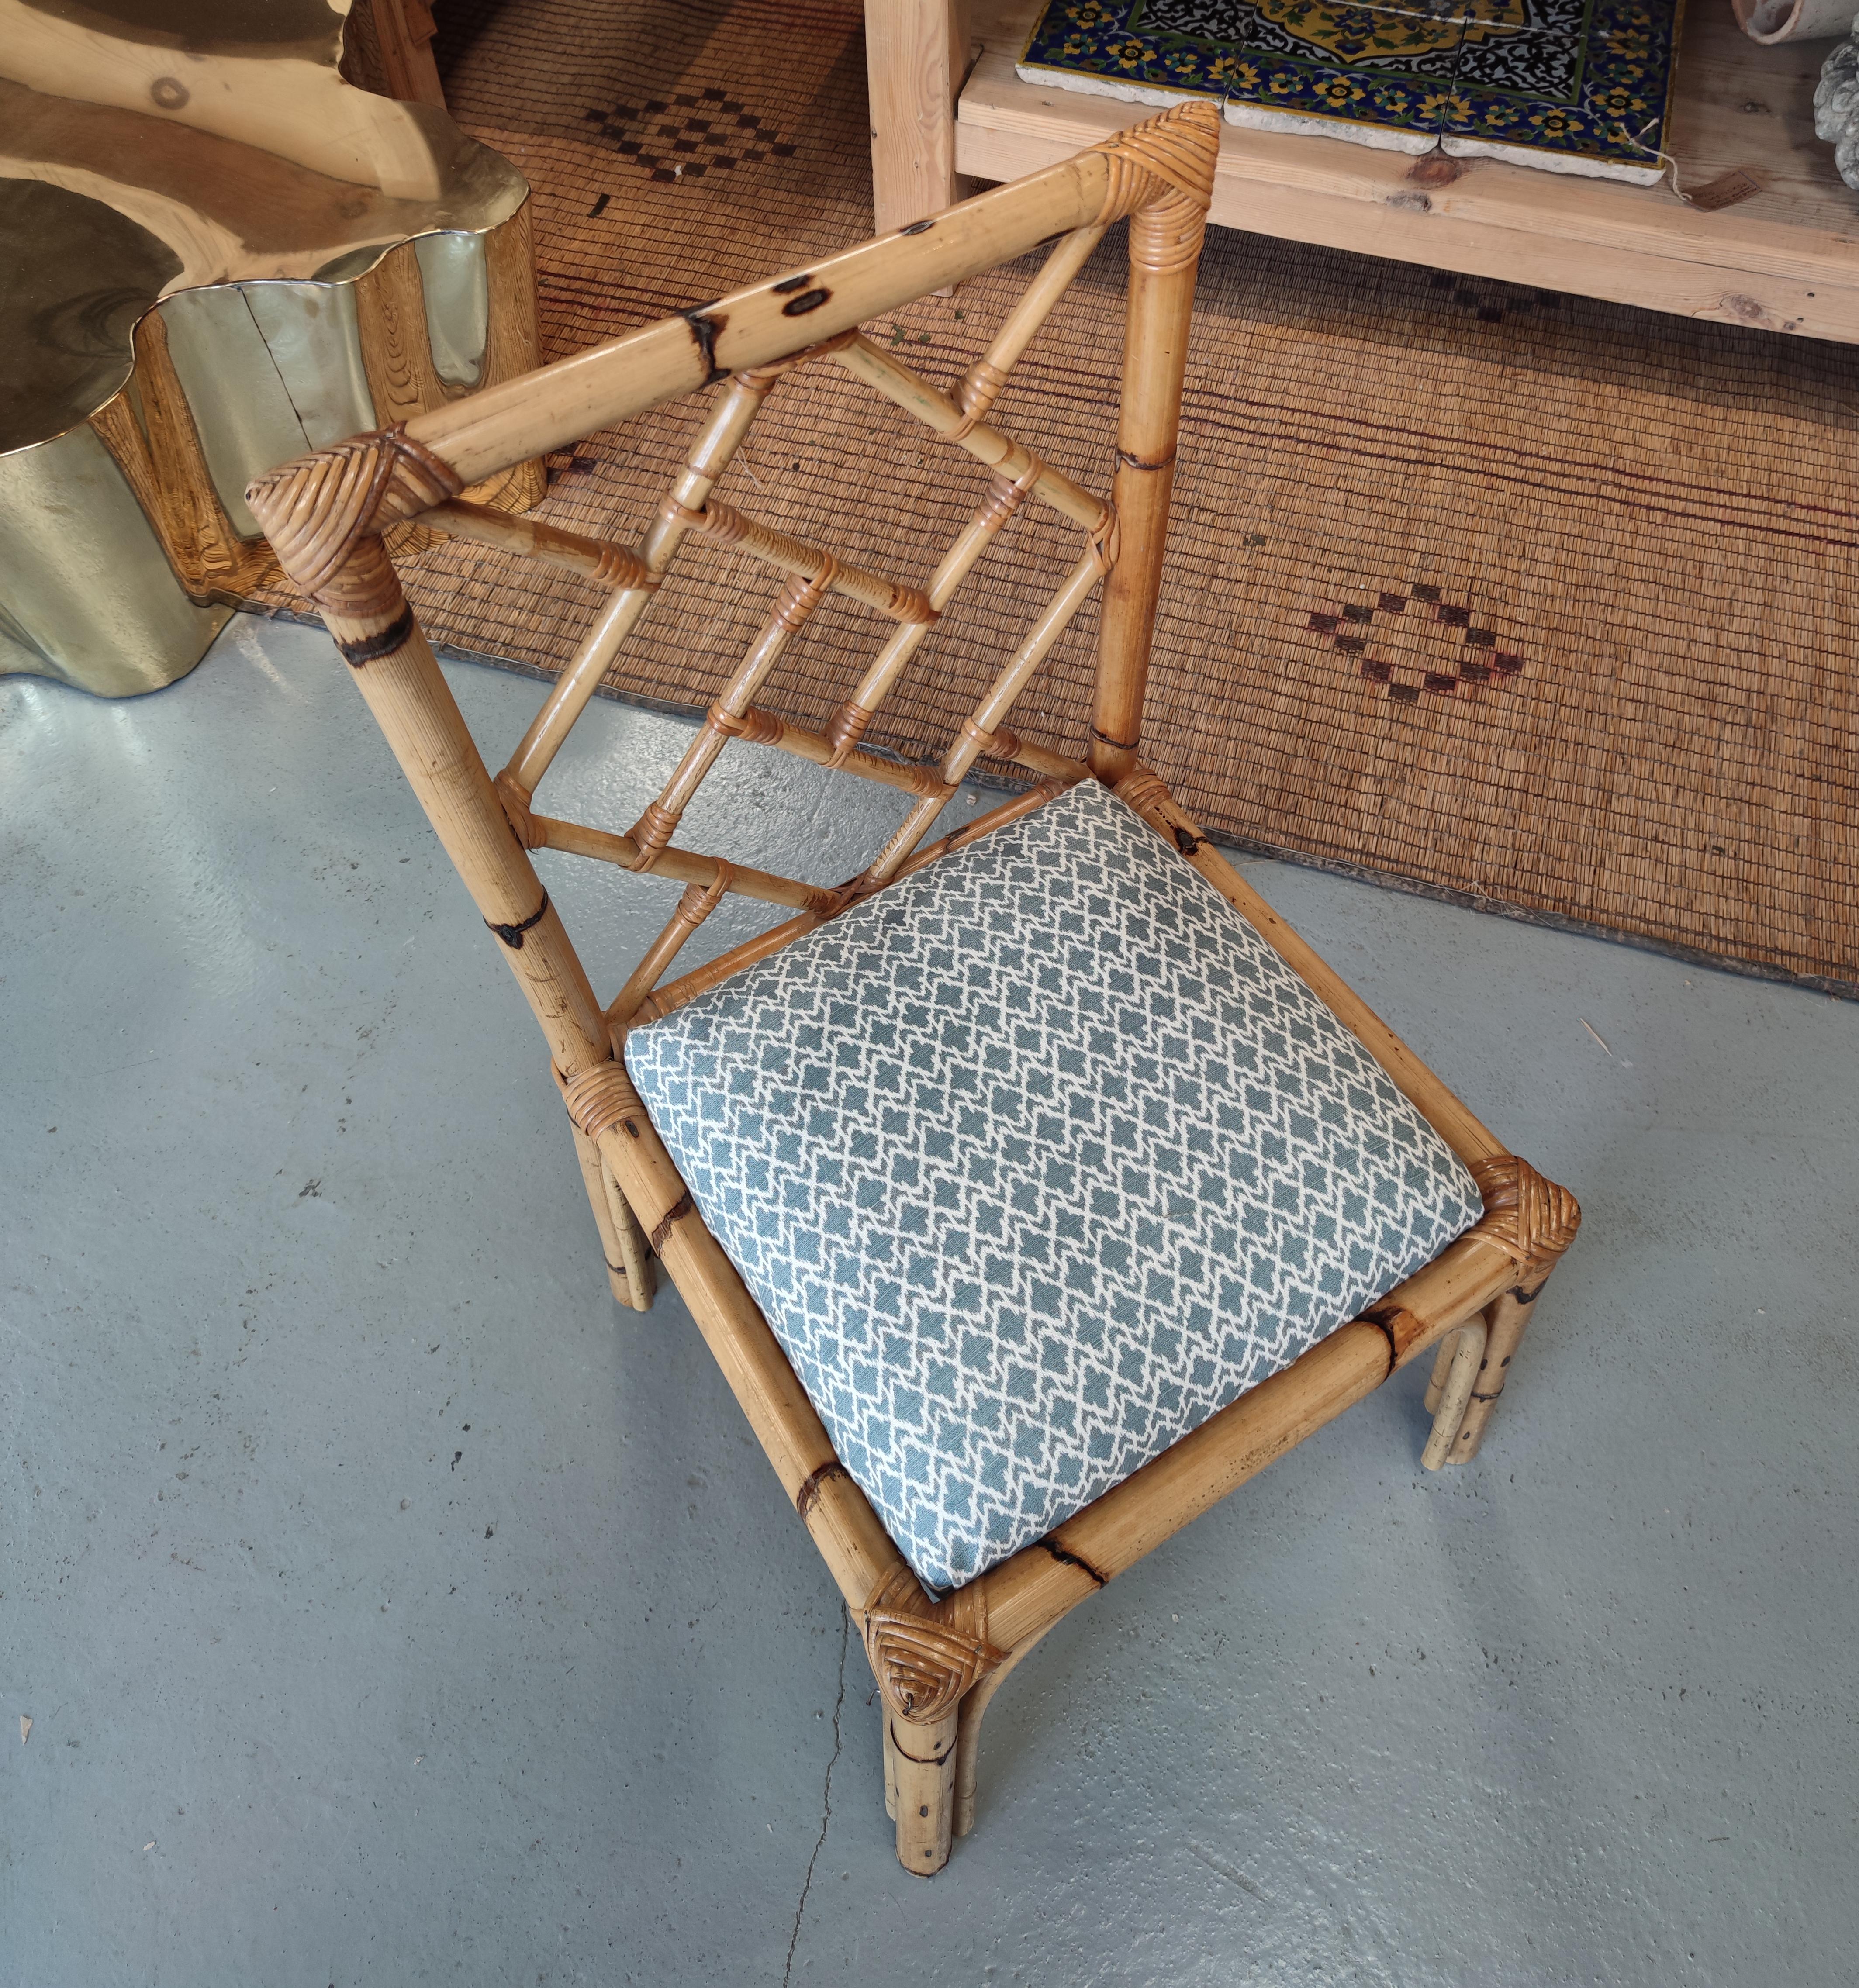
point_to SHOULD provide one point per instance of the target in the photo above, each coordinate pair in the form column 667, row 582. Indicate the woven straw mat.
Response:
column 1528, row 601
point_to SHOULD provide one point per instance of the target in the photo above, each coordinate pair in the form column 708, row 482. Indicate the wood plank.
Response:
column 916, row 52
column 1785, row 260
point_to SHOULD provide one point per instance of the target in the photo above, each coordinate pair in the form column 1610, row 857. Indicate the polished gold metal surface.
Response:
column 202, row 160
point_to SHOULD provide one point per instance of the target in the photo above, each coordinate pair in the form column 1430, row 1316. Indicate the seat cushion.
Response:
column 1034, row 1160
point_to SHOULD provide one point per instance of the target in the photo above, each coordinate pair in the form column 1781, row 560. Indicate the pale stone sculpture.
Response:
column 1836, row 108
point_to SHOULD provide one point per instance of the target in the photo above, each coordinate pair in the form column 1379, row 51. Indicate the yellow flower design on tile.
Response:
column 1554, row 123
column 1128, row 55
column 1338, row 91
column 1089, row 16
column 1620, row 102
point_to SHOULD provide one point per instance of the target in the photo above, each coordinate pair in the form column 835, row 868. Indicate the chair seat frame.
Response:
column 937, row 1662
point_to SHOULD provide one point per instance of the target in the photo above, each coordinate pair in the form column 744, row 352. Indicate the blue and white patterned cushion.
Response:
column 1033, row 1161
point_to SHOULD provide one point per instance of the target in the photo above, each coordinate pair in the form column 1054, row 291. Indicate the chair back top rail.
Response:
column 488, row 430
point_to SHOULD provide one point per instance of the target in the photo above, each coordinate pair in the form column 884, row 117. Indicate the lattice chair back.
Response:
column 937, row 1658
column 325, row 515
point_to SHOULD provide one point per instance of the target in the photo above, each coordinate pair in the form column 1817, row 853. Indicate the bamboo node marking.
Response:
column 319, row 511
column 704, row 329
column 809, row 1495
column 1399, row 1326
column 366, row 648
column 599, row 1097
column 1066, row 1558
column 1532, row 1218
column 669, row 1220
column 512, row 935
column 925, row 1655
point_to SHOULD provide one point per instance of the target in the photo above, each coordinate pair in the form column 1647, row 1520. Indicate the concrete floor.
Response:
column 390, row 1607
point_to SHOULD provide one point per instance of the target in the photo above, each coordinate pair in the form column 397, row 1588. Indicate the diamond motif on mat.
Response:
column 685, row 137
column 1419, row 643
column 1033, row 1162
column 1491, row 303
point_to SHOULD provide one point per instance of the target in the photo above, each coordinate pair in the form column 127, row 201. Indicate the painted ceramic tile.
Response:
column 1593, row 102
column 1380, row 75
column 1573, row 86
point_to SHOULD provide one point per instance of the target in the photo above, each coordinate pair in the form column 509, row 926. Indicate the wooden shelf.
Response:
column 1784, row 259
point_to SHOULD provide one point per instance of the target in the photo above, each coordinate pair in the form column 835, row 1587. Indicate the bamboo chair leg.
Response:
column 635, row 1251
column 968, row 1740
column 1467, row 1345
column 1436, row 1382
column 628, row 1266
column 920, row 1770
column 890, row 1761
column 1506, row 1318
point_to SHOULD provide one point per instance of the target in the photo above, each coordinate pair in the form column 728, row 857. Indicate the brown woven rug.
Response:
column 1540, row 604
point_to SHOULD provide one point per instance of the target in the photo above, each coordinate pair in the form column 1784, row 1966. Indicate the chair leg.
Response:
column 629, row 1264
column 968, row 1741
column 890, row 1762
column 919, row 1781
column 1506, row 1317
column 1461, row 1355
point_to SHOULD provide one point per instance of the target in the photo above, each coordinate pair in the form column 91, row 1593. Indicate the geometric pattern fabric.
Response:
column 1033, row 1162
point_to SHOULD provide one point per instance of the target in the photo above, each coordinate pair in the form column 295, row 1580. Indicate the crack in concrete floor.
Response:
column 826, row 1797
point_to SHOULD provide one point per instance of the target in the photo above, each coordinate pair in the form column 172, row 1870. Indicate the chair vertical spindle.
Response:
column 711, row 456
column 727, row 718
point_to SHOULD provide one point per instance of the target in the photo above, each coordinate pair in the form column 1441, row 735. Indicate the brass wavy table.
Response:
column 215, row 253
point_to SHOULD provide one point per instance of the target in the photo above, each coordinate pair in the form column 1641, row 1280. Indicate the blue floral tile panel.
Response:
column 1569, row 85
column 1034, row 1162
column 1593, row 98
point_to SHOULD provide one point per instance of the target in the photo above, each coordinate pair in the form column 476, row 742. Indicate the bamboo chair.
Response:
column 938, row 1658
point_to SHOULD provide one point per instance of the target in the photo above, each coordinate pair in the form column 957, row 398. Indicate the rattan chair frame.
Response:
column 937, row 1662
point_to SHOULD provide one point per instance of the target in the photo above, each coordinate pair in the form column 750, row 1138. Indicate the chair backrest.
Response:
column 325, row 514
